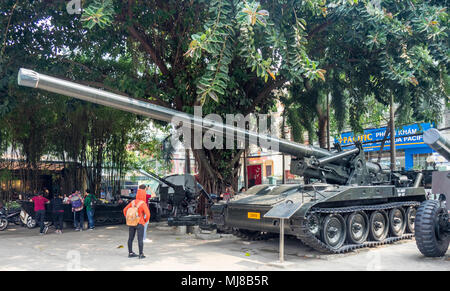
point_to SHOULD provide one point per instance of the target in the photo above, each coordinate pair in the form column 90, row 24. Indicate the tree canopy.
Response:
column 229, row 56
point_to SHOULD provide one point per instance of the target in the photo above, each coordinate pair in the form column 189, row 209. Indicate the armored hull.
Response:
column 331, row 218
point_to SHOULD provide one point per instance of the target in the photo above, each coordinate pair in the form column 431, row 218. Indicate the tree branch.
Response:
column 149, row 49
column 265, row 92
column 318, row 29
column 236, row 157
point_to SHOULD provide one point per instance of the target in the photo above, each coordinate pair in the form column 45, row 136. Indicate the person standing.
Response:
column 77, row 201
column 102, row 194
column 39, row 208
column 228, row 194
column 137, row 215
column 89, row 201
column 147, row 200
column 58, row 213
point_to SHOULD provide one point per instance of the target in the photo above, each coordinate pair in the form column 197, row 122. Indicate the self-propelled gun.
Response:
column 353, row 203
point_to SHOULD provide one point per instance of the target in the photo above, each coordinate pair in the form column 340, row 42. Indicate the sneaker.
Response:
column 77, row 229
column 132, row 255
column 141, row 256
column 147, row 240
column 45, row 230
column 41, row 233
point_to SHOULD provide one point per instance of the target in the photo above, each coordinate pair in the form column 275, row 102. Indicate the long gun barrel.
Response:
column 437, row 142
column 33, row 79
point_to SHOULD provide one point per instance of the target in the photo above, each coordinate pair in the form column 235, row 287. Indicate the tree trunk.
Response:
column 212, row 175
column 322, row 131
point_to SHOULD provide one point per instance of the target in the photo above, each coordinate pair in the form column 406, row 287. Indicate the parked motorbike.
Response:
column 27, row 219
column 27, row 216
column 7, row 217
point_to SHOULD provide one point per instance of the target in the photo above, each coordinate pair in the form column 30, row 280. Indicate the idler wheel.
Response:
column 334, row 231
column 410, row 219
column 379, row 225
column 314, row 224
column 357, row 227
column 397, row 221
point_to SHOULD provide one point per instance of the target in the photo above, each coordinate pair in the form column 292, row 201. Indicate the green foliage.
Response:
column 216, row 42
column 372, row 52
column 264, row 39
column 100, row 12
column 181, row 53
column 149, row 155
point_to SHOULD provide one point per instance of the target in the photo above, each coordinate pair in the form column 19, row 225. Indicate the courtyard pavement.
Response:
column 105, row 248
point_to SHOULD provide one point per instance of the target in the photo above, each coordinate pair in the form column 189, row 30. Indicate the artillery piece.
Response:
column 355, row 203
column 432, row 219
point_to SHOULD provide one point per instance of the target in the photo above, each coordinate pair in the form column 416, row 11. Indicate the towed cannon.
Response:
column 432, row 219
column 352, row 204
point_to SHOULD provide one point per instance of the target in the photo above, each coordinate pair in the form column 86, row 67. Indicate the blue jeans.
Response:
column 90, row 215
column 145, row 229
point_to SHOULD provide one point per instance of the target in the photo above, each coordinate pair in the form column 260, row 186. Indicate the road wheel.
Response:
column 379, row 225
column 431, row 238
column 410, row 219
column 3, row 224
column 357, row 227
column 397, row 221
column 334, row 231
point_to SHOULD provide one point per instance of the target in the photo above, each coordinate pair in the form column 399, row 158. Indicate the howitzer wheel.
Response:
column 397, row 221
column 410, row 219
column 334, row 231
column 379, row 225
column 431, row 239
column 357, row 227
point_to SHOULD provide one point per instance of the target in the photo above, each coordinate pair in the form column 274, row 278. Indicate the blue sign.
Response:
column 406, row 137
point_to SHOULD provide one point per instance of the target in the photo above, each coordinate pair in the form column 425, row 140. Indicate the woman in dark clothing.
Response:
column 58, row 213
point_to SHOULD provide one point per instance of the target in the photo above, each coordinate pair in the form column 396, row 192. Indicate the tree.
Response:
column 39, row 124
column 174, row 53
column 373, row 50
column 226, row 55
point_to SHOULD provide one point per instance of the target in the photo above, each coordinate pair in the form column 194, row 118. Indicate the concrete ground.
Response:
column 105, row 248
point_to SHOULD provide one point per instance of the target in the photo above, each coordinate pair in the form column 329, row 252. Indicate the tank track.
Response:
column 312, row 241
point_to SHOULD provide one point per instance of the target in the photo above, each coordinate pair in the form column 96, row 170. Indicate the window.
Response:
column 268, row 170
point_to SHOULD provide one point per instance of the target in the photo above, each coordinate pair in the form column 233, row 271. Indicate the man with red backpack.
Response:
column 137, row 215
